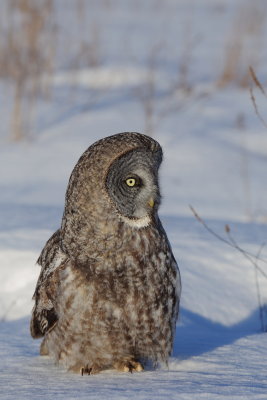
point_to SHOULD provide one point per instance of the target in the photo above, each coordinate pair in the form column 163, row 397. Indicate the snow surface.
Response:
column 211, row 161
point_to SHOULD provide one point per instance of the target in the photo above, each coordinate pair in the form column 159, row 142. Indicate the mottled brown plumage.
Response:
column 109, row 288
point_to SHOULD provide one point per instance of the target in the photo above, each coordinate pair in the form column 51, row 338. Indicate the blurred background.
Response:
column 72, row 72
column 59, row 58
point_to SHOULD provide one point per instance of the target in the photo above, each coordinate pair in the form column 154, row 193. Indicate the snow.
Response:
column 215, row 158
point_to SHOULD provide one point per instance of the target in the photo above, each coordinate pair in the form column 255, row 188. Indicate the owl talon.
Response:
column 86, row 370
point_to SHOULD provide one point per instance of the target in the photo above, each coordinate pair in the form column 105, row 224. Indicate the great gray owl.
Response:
column 109, row 287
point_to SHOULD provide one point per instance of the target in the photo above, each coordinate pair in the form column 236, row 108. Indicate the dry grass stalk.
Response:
column 256, row 107
column 253, row 99
column 147, row 91
column 256, row 80
column 26, row 55
column 253, row 259
column 158, row 104
column 245, row 170
column 243, row 44
column 231, row 243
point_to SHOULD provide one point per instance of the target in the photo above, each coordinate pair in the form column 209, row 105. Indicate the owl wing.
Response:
column 52, row 260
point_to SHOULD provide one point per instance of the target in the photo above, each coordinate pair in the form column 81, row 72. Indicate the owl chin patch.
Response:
column 138, row 223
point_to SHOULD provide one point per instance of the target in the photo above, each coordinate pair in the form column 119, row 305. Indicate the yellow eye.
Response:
column 131, row 182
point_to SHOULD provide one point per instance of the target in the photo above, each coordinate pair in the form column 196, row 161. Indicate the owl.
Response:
column 109, row 287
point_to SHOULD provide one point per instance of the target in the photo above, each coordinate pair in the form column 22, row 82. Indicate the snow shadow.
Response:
column 196, row 334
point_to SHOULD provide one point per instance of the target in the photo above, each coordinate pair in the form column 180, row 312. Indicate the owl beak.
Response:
column 151, row 203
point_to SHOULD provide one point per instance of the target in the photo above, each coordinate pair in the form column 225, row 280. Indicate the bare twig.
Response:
column 253, row 259
column 248, row 256
column 232, row 243
column 256, row 107
column 260, row 87
column 256, row 80
column 261, row 307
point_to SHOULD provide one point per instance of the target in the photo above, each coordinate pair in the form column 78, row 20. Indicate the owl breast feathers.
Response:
column 109, row 287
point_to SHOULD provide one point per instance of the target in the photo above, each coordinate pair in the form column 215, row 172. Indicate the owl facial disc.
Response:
column 132, row 184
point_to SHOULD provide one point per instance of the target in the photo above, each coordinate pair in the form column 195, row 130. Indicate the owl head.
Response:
column 115, row 181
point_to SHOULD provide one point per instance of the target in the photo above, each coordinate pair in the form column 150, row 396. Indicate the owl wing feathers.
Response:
column 52, row 260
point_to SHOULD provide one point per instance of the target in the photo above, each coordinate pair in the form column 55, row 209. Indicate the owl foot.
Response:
column 128, row 366
column 86, row 370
